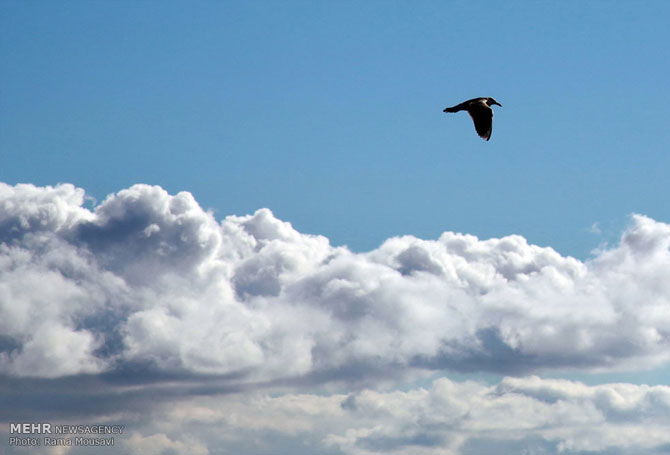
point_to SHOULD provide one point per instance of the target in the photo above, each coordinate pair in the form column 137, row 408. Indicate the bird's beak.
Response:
column 498, row 104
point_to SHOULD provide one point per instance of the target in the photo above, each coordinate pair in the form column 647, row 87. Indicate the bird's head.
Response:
column 491, row 102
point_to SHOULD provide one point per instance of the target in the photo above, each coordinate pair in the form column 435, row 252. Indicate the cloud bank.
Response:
column 517, row 415
column 243, row 335
column 152, row 279
column 527, row 415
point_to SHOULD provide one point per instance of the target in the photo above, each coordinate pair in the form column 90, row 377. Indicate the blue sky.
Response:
column 330, row 114
column 143, row 281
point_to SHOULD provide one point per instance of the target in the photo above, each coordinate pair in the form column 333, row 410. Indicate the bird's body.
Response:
column 481, row 112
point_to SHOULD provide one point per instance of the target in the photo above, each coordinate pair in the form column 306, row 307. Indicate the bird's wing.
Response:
column 465, row 105
column 458, row 107
column 482, row 116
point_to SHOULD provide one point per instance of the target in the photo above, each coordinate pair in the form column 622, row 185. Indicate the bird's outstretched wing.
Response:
column 482, row 116
column 458, row 107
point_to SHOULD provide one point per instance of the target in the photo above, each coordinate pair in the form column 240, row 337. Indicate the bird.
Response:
column 481, row 112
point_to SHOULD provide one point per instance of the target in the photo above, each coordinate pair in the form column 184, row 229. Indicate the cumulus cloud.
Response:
column 203, row 335
column 153, row 281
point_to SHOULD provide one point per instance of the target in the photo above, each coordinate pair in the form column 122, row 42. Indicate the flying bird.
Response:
column 481, row 112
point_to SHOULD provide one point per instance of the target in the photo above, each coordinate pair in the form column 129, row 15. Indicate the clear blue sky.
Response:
column 330, row 113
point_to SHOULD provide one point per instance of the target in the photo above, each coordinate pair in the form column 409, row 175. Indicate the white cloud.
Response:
column 160, row 444
column 202, row 335
column 152, row 279
column 595, row 229
column 516, row 415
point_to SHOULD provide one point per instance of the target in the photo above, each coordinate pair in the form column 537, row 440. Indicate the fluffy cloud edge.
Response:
column 148, row 278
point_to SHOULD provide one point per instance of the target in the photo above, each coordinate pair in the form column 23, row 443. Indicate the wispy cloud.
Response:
column 516, row 415
column 595, row 229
